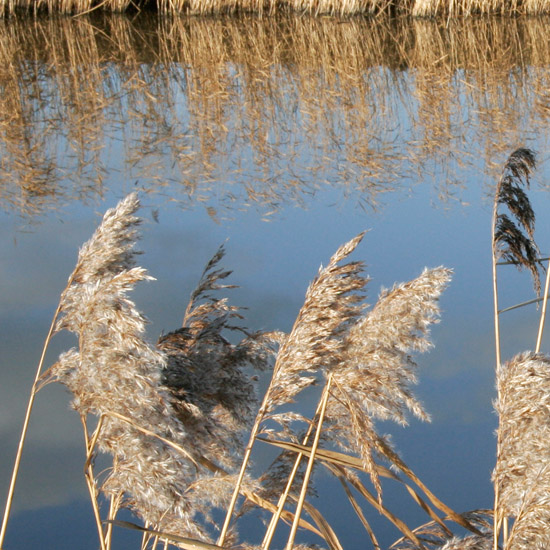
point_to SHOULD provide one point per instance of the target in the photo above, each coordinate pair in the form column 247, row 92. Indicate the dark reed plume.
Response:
column 211, row 391
column 513, row 235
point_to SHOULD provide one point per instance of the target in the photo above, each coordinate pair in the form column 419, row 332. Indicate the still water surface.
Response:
column 283, row 138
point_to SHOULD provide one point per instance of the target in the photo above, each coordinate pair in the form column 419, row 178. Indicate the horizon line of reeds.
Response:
column 414, row 8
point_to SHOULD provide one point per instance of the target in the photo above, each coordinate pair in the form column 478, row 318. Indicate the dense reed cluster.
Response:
column 416, row 8
column 174, row 417
column 521, row 476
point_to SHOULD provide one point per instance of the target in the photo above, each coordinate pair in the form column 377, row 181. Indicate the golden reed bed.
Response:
column 416, row 8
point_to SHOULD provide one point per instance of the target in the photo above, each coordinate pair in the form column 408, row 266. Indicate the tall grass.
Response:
column 180, row 420
column 414, row 8
column 173, row 416
column 521, row 475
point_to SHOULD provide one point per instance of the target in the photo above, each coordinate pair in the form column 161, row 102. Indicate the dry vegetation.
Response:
column 416, row 8
column 273, row 107
column 175, row 417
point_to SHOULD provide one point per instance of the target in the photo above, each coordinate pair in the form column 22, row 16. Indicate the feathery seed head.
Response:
column 514, row 241
column 375, row 373
column 524, row 429
column 316, row 340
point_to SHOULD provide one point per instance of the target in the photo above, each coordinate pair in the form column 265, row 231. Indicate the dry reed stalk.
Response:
column 521, row 472
column 313, row 344
column 315, row 444
column 376, row 371
column 271, row 481
column 24, row 430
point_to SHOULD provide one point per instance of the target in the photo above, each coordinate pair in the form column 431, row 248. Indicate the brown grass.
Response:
column 416, row 8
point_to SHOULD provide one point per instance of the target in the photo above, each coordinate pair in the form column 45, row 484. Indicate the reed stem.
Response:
column 543, row 311
column 283, row 498
column 310, row 464
column 246, row 459
column 90, row 478
column 24, row 430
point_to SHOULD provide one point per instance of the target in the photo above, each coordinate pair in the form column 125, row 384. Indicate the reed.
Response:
column 174, row 417
column 450, row 9
column 521, row 472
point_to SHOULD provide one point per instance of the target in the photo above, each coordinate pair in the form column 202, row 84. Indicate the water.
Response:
column 283, row 138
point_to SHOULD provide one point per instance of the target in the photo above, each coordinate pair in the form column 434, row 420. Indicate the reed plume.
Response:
column 521, row 473
column 316, row 340
column 116, row 376
column 514, row 241
column 170, row 416
column 530, row 529
column 211, row 391
column 312, row 346
column 375, row 373
column 370, row 380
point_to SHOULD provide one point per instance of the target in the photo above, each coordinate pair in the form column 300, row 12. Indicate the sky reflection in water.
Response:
column 306, row 138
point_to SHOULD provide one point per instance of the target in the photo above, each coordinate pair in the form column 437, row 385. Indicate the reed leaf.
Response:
column 347, row 461
column 328, row 532
column 183, row 542
column 348, row 476
column 433, row 536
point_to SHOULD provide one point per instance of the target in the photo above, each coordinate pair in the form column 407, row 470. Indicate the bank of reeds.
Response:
column 337, row 89
column 415, row 8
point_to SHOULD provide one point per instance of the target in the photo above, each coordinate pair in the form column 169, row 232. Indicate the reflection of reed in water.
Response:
column 278, row 105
